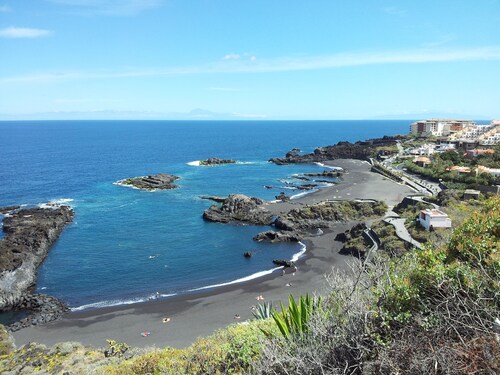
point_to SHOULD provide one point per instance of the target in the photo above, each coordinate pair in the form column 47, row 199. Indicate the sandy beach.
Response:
column 200, row 314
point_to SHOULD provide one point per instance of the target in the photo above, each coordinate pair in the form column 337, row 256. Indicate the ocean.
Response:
column 127, row 245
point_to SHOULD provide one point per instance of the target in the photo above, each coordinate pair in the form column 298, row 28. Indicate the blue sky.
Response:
column 231, row 59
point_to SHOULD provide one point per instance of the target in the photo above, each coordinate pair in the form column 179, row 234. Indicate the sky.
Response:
column 259, row 59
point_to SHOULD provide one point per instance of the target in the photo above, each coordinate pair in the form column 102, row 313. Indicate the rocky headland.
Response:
column 160, row 181
column 216, row 161
column 361, row 150
column 28, row 235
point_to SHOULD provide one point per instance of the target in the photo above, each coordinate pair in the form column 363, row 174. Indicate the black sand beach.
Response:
column 200, row 314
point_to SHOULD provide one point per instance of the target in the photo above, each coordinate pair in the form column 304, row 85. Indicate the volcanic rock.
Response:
column 361, row 150
column 272, row 236
column 29, row 234
column 159, row 181
column 240, row 208
column 216, row 161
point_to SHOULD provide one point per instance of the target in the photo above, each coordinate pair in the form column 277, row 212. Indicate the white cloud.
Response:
column 23, row 32
column 283, row 64
column 108, row 7
column 5, row 8
column 231, row 56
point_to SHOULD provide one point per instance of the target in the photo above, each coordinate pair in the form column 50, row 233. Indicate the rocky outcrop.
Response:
column 282, row 197
column 272, row 236
column 361, row 150
column 355, row 241
column 28, row 236
column 325, row 214
column 239, row 208
column 160, row 181
column 216, row 161
column 327, row 173
column 284, row 263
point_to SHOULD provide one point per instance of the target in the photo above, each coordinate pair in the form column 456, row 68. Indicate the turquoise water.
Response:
column 125, row 245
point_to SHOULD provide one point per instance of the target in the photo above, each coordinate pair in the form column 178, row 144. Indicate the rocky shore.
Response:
column 28, row 235
column 216, row 161
column 160, row 181
column 361, row 150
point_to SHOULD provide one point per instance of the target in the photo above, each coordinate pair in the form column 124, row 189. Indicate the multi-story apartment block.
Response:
column 439, row 127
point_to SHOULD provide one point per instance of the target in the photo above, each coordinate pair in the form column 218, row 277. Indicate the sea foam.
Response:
column 101, row 304
column 57, row 202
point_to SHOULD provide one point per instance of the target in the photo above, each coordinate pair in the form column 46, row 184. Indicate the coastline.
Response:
column 199, row 313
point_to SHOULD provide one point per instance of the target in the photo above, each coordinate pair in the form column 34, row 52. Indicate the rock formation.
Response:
column 216, row 161
column 160, row 181
column 29, row 234
column 272, row 236
column 239, row 208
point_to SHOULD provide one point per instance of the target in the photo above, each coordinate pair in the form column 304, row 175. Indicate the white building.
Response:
column 434, row 219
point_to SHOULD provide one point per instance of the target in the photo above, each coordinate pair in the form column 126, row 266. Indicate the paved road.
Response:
column 418, row 183
column 399, row 225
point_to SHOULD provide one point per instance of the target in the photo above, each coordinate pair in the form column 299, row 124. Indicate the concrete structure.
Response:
column 471, row 194
column 439, row 127
column 492, row 135
column 434, row 219
column 443, row 147
column 478, row 134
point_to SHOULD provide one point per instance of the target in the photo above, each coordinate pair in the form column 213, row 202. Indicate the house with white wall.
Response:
column 434, row 219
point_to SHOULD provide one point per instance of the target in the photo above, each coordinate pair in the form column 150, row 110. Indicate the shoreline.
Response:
column 200, row 313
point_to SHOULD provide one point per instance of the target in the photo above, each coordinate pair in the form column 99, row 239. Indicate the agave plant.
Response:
column 294, row 320
column 263, row 311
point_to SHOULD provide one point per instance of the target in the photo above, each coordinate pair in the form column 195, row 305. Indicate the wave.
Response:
column 97, row 305
column 57, row 202
column 296, row 196
column 329, row 166
column 197, row 163
column 302, row 251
